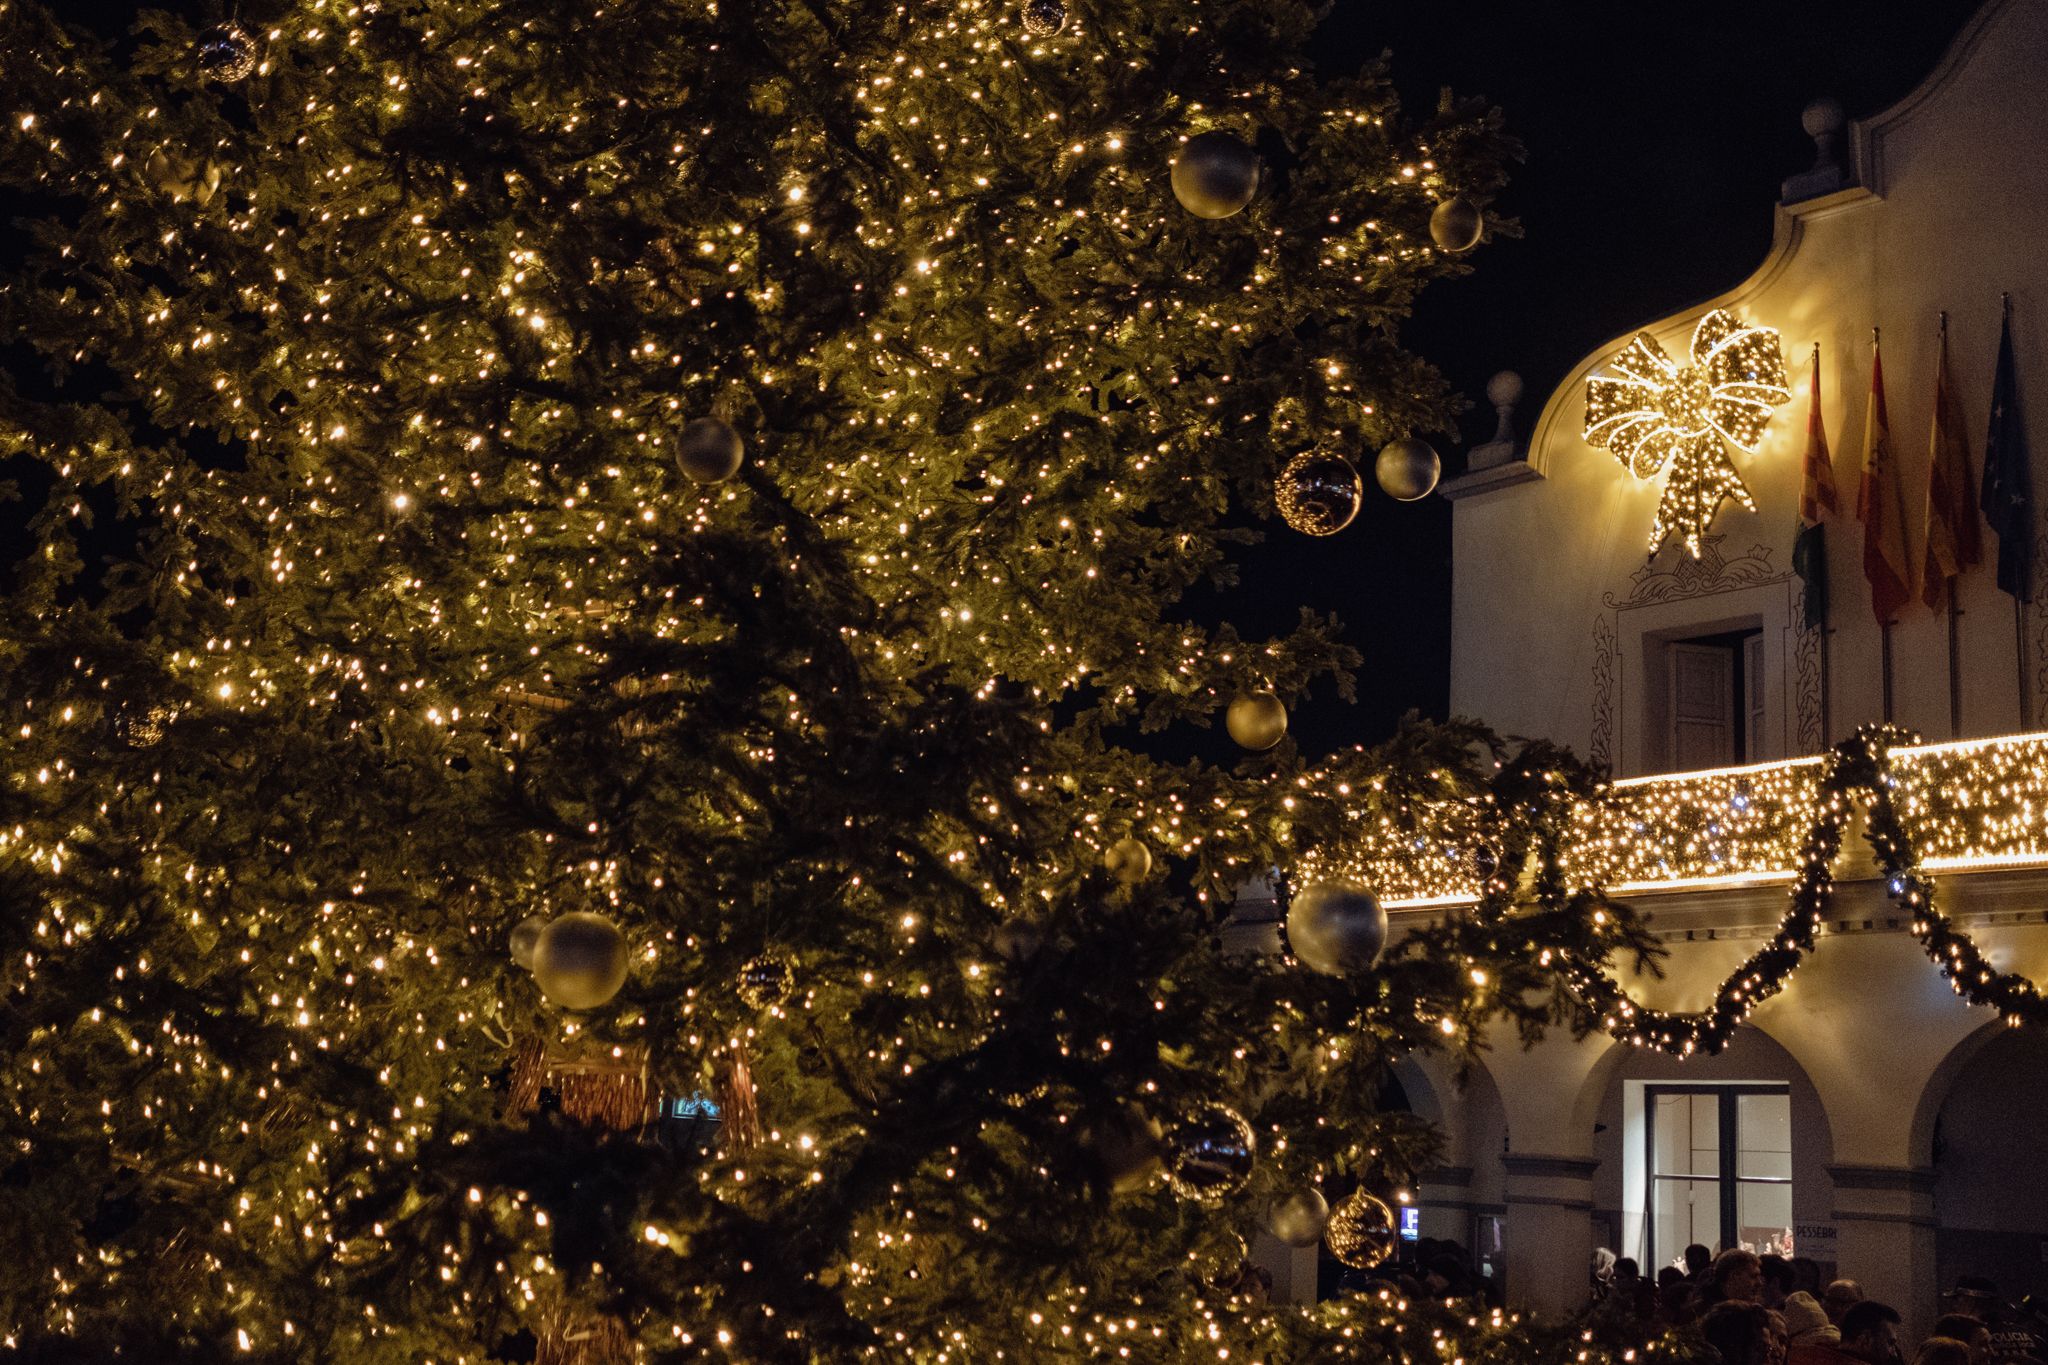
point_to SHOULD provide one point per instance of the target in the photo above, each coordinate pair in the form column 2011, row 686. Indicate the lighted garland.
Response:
column 1862, row 765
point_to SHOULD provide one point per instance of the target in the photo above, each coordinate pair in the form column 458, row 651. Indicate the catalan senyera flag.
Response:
column 1817, row 500
column 1881, row 509
column 1953, row 543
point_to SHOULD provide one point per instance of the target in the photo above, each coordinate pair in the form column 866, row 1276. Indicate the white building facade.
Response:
column 1866, row 1116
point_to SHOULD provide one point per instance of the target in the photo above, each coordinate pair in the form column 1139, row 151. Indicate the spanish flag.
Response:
column 1953, row 544
column 1881, row 509
column 1816, row 501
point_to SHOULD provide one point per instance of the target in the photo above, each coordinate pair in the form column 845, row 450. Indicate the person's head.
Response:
column 1806, row 1320
column 1626, row 1271
column 1838, row 1297
column 1942, row 1351
column 1968, row 1329
column 1806, row 1275
column 1697, row 1259
column 1669, row 1275
column 1870, row 1332
column 1737, row 1275
column 1777, row 1273
column 1741, row 1332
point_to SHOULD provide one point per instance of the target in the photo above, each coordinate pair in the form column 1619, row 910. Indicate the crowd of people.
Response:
column 1774, row 1310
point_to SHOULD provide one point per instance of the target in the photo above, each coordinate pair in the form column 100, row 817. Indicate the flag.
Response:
column 1953, row 544
column 1881, row 509
column 2008, row 500
column 1816, row 500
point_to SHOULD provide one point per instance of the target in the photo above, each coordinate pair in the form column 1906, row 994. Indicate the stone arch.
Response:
column 1941, row 1080
column 1978, row 1136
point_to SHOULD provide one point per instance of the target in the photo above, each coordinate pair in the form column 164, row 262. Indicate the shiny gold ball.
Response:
column 1299, row 1219
column 1210, row 1154
column 1362, row 1232
column 1128, row 860
column 1318, row 493
column 526, row 937
column 1336, row 928
column 1215, row 175
column 579, row 960
column 1456, row 225
column 1256, row 720
column 1043, row 18
column 767, row 980
column 227, row 53
column 1407, row 469
column 709, row 451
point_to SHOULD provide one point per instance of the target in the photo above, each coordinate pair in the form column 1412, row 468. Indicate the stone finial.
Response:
column 1504, row 390
column 1824, row 122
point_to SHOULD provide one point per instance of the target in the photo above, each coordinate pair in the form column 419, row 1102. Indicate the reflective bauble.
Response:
column 1456, row 225
column 227, row 53
column 1362, row 1231
column 767, row 981
column 1485, row 861
column 1128, row 860
column 580, row 960
column 709, row 451
column 1125, row 1148
column 1299, row 1219
column 1215, row 175
column 525, row 938
column 1408, row 469
column 183, row 178
column 1210, row 1154
column 1318, row 493
column 1043, row 18
column 1336, row 928
column 1256, row 720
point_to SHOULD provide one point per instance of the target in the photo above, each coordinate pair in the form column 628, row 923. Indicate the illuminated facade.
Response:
column 1861, row 1113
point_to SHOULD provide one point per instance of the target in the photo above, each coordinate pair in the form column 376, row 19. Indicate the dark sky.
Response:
column 1656, row 136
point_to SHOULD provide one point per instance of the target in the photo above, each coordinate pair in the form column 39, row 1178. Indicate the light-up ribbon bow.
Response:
column 1652, row 411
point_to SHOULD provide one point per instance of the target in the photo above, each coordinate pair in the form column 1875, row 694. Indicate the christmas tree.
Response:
column 578, row 560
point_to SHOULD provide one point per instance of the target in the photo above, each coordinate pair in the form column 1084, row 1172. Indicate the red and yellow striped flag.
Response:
column 1881, row 509
column 1953, row 544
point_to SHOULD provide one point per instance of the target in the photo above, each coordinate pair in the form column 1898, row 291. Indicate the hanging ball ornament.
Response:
column 1319, row 493
column 709, row 451
column 580, row 960
column 525, row 937
column 227, row 53
column 1456, row 225
column 1128, row 860
column 1043, row 18
column 767, row 981
column 1407, row 469
column 1215, row 175
column 1210, row 1154
column 1362, row 1233
column 1336, row 928
column 1485, row 861
column 1256, row 720
column 1017, row 940
column 1299, row 1219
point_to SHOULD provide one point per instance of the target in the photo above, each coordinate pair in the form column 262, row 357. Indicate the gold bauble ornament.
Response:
column 1456, row 225
column 709, row 451
column 579, row 960
column 1210, row 1154
column 227, row 53
column 1256, row 720
column 1128, row 860
column 1362, row 1232
column 1215, row 175
column 526, row 937
column 1299, row 1219
column 1318, row 493
column 1043, row 18
column 767, row 980
column 1407, row 469
column 1337, row 928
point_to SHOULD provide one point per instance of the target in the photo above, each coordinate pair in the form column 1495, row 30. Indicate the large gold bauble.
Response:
column 1456, row 225
column 1362, row 1232
column 709, row 451
column 1299, row 1219
column 1210, row 1154
column 1318, row 493
column 1128, row 860
column 1408, row 469
column 1215, row 175
column 526, row 937
column 1336, row 928
column 579, row 960
column 1256, row 720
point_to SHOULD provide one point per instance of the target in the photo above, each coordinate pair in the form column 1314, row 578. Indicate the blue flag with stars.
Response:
column 2008, row 498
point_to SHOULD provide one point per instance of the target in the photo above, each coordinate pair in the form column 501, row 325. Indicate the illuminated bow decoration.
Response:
column 1652, row 411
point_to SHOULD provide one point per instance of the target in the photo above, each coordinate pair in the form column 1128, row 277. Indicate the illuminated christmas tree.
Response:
column 695, row 494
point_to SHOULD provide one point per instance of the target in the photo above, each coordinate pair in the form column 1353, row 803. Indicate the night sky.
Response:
column 1656, row 137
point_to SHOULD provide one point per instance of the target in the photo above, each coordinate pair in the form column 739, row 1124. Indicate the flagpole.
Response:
column 1955, row 610
column 1884, row 631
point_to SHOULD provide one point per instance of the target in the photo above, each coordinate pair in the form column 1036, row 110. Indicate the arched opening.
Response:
column 1988, row 1142
column 1727, row 1151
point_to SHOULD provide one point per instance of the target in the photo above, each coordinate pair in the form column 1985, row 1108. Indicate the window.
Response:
column 1715, row 708
column 1720, row 1161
